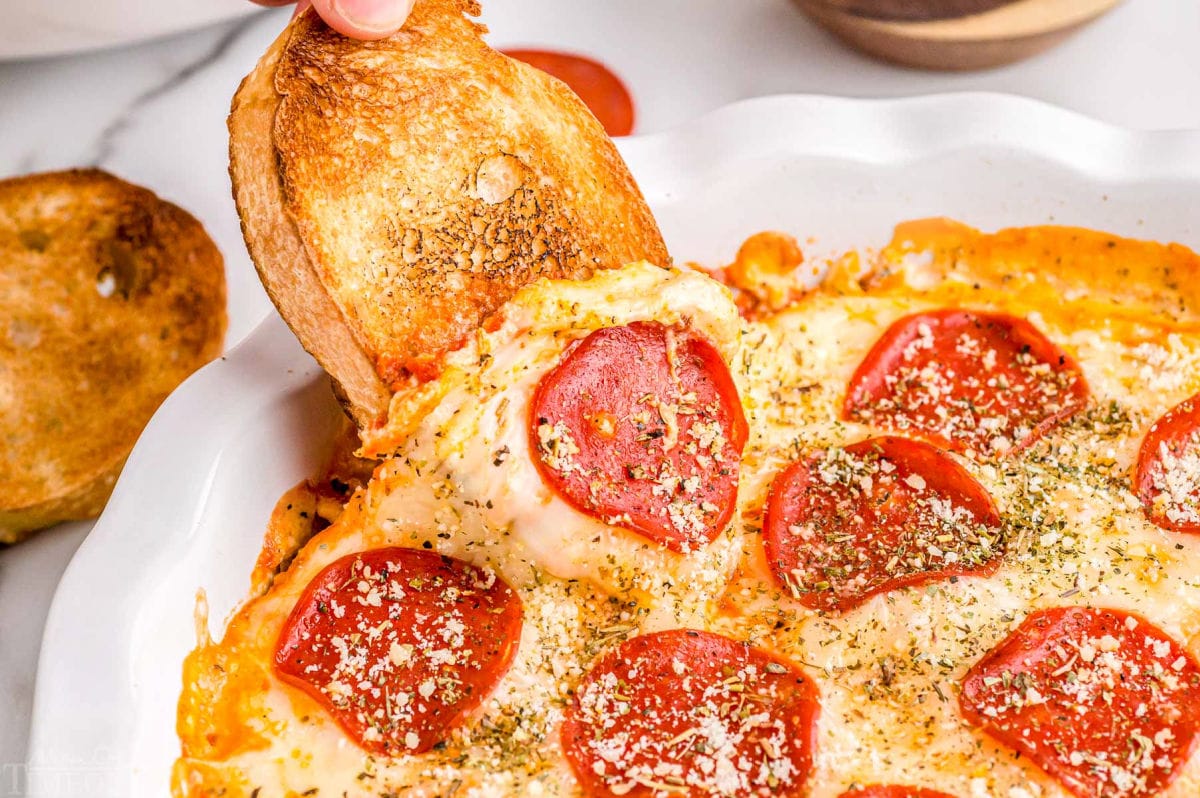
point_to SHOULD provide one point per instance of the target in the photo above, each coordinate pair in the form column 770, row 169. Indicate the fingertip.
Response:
column 364, row 19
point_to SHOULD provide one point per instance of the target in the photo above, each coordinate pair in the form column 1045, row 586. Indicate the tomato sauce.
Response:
column 601, row 91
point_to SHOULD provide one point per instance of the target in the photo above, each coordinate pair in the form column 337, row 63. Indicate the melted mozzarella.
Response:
column 463, row 482
column 469, row 461
column 888, row 670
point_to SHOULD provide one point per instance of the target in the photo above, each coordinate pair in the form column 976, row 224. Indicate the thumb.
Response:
column 364, row 19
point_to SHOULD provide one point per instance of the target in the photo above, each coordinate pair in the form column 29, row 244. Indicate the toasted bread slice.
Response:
column 109, row 298
column 394, row 193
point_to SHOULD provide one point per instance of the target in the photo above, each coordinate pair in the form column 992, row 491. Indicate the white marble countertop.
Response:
column 154, row 113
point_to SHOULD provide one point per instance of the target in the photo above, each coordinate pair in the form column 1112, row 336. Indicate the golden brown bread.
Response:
column 109, row 298
column 394, row 193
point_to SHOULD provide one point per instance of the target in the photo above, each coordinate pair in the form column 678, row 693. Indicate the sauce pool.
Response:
column 601, row 91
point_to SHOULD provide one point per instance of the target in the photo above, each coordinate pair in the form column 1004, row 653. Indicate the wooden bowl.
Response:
column 953, row 34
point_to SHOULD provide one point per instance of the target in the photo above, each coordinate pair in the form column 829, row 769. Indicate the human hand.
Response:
column 360, row 19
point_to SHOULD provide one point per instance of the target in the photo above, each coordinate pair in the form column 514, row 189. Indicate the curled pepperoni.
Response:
column 601, row 91
column 892, row 791
column 1167, row 477
column 399, row 645
column 1100, row 699
column 987, row 383
column 692, row 713
column 641, row 426
column 877, row 515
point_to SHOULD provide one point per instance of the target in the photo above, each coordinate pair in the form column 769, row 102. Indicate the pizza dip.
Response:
column 928, row 530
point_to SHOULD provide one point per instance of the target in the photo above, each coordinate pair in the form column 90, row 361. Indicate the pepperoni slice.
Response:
column 1100, row 699
column 601, row 91
column 893, row 791
column 641, row 426
column 1167, row 477
column 877, row 515
column 691, row 713
column 399, row 645
column 988, row 383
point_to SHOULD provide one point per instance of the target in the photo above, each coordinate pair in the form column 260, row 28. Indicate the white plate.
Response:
column 191, row 506
column 33, row 28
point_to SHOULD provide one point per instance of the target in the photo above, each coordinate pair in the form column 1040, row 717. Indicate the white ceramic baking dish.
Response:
column 191, row 506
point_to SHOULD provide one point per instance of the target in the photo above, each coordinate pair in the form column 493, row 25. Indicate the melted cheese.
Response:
column 462, row 482
column 469, row 465
column 888, row 670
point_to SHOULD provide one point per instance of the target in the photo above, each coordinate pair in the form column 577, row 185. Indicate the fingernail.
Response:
column 374, row 16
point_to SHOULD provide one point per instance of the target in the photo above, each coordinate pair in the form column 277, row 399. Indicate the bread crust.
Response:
column 109, row 298
column 395, row 193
